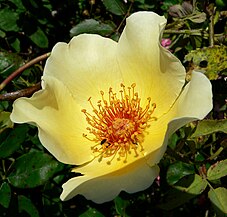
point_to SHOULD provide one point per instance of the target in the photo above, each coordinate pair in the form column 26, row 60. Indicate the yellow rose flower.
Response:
column 110, row 107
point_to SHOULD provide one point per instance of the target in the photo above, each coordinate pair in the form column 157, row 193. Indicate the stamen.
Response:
column 118, row 126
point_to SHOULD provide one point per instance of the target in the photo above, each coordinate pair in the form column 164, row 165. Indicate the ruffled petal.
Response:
column 85, row 66
column 157, row 73
column 194, row 103
column 196, row 99
column 100, row 189
column 59, row 119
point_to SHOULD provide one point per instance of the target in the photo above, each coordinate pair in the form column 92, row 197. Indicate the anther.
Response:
column 122, row 85
column 119, row 124
column 133, row 85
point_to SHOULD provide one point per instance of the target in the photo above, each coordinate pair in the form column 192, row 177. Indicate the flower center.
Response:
column 118, row 125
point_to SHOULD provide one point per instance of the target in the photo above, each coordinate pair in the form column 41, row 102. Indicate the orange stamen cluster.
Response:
column 118, row 124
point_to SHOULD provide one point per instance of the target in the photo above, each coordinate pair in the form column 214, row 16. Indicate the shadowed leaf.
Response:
column 92, row 26
column 5, row 195
column 207, row 127
column 8, row 20
column 26, row 205
column 177, row 171
column 91, row 212
column 121, row 205
column 218, row 197
column 39, row 38
column 116, row 7
column 196, row 186
column 5, row 121
column 33, row 169
column 217, row 170
column 11, row 140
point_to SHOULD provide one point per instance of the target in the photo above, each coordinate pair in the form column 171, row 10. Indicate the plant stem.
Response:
column 22, row 68
column 185, row 31
column 211, row 30
column 20, row 93
column 211, row 11
column 126, row 15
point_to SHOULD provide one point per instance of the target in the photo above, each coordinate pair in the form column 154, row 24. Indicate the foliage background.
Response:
column 193, row 171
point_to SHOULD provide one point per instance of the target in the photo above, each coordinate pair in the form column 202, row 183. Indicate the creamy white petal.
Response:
column 157, row 73
column 59, row 119
column 101, row 189
column 194, row 103
column 86, row 66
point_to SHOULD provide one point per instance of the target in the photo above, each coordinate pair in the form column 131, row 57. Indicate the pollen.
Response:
column 118, row 124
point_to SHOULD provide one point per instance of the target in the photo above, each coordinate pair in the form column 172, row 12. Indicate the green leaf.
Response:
column 19, row 5
column 5, row 195
column 177, row 171
column 172, row 142
column 16, row 45
column 217, row 170
column 218, row 197
column 196, row 184
column 2, row 34
column 91, row 212
column 116, row 7
column 92, row 26
column 221, row 3
column 26, row 205
column 12, row 140
column 120, row 206
column 39, row 38
column 207, row 127
column 9, row 62
column 5, row 121
column 188, row 188
column 33, row 169
column 8, row 20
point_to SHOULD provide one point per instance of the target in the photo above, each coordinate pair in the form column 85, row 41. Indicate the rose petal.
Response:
column 59, row 119
column 136, row 177
column 194, row 103
column 85, row 66
column 157, row 73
